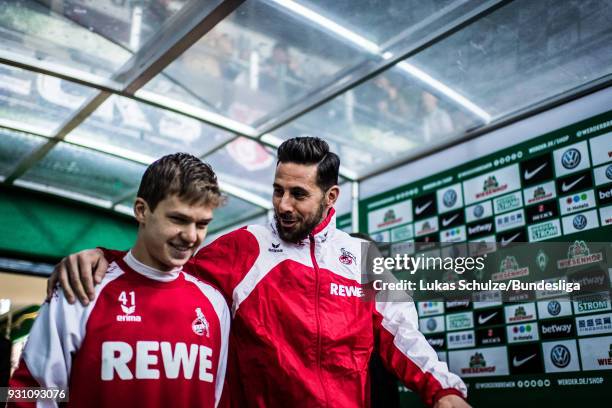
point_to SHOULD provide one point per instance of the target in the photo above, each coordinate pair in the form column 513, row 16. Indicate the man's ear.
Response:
column 140, row 210
column 332, row 196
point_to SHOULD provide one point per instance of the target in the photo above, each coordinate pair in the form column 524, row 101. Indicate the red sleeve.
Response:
column 22, row 378
column 225, row 261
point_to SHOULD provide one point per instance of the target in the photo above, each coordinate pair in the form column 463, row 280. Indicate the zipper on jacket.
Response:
column 317, row 315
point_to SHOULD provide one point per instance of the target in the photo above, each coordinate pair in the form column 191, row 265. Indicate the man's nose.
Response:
column 189, row 233
column 286, row 204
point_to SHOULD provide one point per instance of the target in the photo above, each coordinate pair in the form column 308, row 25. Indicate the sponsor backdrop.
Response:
column 554, row 187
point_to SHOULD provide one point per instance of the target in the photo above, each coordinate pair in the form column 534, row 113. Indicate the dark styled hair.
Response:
column 181, row 174
column 312, row 150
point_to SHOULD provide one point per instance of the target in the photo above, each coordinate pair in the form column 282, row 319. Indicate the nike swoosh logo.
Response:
column 530, row 174
column 505, row 242
column 483, row 320
column 445, row 222
column 566, row 187
column 518, row 363
column 418, row 210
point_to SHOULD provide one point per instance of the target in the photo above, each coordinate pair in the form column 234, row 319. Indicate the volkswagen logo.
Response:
column 571, row 159
column 554, row 308
column 609, row 172
column 431, row 324
column 580, row 221
column 560, row 356
column 450, row 198
column 479, row 210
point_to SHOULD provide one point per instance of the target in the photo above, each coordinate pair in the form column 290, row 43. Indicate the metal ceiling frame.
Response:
column 138, row 71
column 352, row 80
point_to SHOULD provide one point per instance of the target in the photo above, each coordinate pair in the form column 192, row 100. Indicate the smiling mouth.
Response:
column 287, row 223
column 181, row 248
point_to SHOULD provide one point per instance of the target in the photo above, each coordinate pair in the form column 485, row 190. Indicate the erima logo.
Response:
column 566, row 187
column 128, row 307
column 517, row 363
column 571, row 159
column 483, row 320
column 116, row 355
column 418, row 210
column 446, row 222
column 275, row 248
column 529, row 175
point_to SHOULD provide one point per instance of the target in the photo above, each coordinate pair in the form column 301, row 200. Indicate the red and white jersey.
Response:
column 149, row 339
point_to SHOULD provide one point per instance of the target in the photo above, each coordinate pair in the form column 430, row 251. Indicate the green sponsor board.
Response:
column 555, row 187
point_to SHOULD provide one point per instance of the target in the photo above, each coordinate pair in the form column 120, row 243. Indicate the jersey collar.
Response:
column 150, row 272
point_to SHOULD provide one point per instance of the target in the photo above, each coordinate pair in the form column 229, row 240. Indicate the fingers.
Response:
column 62, row 275
column 72, row 265
column 51, row 282
column 100, row 269
column 85, row 277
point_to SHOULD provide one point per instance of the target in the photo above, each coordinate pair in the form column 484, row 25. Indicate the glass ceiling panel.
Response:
column 524, row 53
column 14, row 146
column 246, row 164
column 128, row 128
column 235, row 210
column 96, row 37
column 383, row 119
column 37, row 103
column 80, row 170
column 269, row 55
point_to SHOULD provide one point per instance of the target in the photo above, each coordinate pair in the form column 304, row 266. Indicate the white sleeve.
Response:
column 55, row 337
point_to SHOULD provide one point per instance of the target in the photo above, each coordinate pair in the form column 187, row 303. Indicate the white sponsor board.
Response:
column 431, row 324
column 383, row 236
column 594, row 324
column 577, row 202
column 402, row 248
column 580, row 222
column 539, row 193
column 523, row 312
column 510, row 220
column 550, row 309
column 402, row 233
column 508, row 202
column 478, row 211
column 426, row 226
column 592, row 303
column 603, row 174
column 560, row 356
column 544, row 230
column 456, row 234
column 523, row 332
column 481, row 362
column 486, row 299
column 390, row 216
column 492, row 184
column 449, row 198
column 571, row 159
column 430, row 308
column 461, row 339
column 459, row 321
column 596, row 354
column 601, row 148
column 605, row 214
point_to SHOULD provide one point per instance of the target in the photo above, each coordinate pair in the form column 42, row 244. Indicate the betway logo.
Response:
column 346, row 291
column 590, row 280
column 479, row 228
column 117, row 354
column 557, row 328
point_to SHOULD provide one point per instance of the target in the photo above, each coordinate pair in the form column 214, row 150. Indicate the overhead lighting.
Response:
column 329, row 25
column 444, row 89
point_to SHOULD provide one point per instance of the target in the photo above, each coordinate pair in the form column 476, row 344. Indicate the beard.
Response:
column 303, row 226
